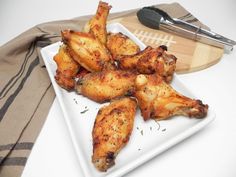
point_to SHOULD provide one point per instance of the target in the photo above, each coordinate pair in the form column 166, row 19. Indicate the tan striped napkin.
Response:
column 26, row 93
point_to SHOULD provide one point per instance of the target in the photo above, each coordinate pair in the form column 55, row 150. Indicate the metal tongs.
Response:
column 153, row 17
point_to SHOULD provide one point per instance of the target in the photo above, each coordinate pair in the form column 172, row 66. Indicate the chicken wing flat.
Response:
column 120, row 45
column 149, row 61
column 97, row 25
column 106, row 85
column 158, row 100
column 130, row 62
column 111, row 131
column 86, row 50
column 67, row 68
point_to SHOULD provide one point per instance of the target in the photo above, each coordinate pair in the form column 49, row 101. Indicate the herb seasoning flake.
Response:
column 84, row 111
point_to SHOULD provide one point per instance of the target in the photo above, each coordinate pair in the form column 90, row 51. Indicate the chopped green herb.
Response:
column 151, row 128
column 137, row 128
column 163, row 129
column 139, row 149
column 84, row 111
column 141, row 132
column 158, row 125
column 75, row 101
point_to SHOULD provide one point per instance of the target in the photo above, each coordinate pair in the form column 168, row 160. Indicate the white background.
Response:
column 209, row 153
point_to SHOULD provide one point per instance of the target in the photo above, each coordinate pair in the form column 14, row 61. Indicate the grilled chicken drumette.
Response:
column 111, row 131
column 97, row 25
column 158, row 100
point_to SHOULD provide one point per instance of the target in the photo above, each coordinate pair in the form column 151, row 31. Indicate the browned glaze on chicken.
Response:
column 149, row 61
column 119, row 45
column 167, row 66
column 86, row 50
column 158, row 100
column 111, row 131
column 106, row 85
column 67, row 69
column 97, row 24
column 130, row 62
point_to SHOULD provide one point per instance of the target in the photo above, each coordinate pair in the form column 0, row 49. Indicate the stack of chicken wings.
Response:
column 110, row 67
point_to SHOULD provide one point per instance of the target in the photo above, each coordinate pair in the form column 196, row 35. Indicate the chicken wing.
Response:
column 67, row 69
column 130, row 62
column 149, row 61
column 86, row 50
column 97, row 25
column 158, row 100
column 120, row 44
column 106, row 85
column 167, row 66
column 111, row 131
column 82, row 72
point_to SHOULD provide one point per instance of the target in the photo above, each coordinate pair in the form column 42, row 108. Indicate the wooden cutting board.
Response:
column 191, row 55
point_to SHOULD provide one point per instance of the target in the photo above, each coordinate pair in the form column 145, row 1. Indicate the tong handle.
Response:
column 203, row 33
column 158, row 19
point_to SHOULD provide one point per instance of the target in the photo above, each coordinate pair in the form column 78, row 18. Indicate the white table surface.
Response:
column 209, row 153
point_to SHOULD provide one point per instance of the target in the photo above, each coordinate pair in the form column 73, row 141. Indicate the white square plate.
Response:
column 148, row 138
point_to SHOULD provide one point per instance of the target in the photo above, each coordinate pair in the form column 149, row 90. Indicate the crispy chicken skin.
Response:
column 167, row 66
column 158, row 100
column 97, row 24
column 149, row 61
column 111, row 131
column 86, row 50
column 120, row 45
column 130, row 62
column 82, row 72
column 67, row 68
column 106, row 85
